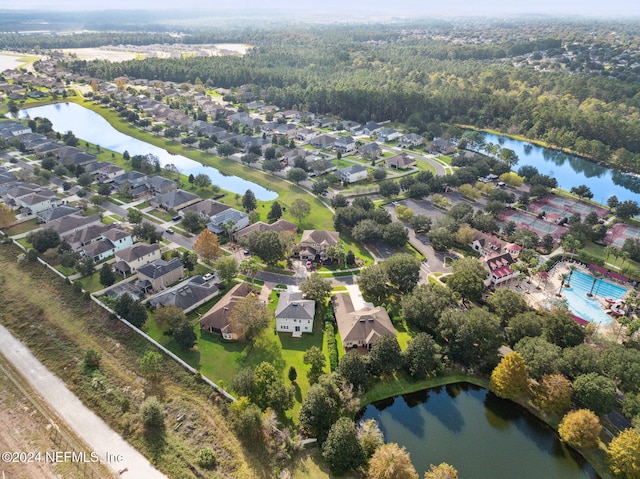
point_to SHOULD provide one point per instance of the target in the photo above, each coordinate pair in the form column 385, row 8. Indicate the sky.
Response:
column 399, row 8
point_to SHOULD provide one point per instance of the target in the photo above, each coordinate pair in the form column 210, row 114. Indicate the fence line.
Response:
column 141, row 333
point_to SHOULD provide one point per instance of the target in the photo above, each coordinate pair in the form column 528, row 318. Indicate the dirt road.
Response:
column 111, row 448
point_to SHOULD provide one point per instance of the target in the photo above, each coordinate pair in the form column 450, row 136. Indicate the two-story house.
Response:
column 353, row 174
column 294, row 314
column 130, row 259
column 227, row 221
column 314, row 243
column 160, row 274
column 345, row 144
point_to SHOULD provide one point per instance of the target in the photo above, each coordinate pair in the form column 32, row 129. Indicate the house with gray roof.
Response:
column 370, row 150
column 187, row 295
column 322, row 141
column 38, row 201
column 7, row 177
column 160, row 185
column 401, row 161
column 176, row 199
column 160, row 274
column 207, row 208
column 387, row 134
column 353, row 174
column 72, row 223
column 109, row 243
column 360, row 329
column 57, row 212
column 228, row 220
column 345, row 144
column 122, row 288
column 412, row 139
column 294, row 314
column 130, row 259
column 280, row 226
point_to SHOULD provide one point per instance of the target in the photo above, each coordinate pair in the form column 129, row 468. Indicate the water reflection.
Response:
column 90, row 126
column 571, row 170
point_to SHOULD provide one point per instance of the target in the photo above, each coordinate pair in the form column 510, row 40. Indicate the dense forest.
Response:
column 574, row 85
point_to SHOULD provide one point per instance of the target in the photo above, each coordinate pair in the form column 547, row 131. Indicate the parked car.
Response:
column 207, row 276
column 176, row 218
column 246, row 252
column 170, row 231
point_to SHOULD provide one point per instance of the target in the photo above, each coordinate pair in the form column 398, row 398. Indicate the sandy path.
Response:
column 89, row 427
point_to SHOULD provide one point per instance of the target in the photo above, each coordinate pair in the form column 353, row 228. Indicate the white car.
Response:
column 207, row 276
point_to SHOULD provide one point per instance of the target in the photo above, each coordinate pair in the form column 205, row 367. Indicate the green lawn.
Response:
column 599, row 252
column 163, row 215
column 92, row 283
column 424, row 165
column 21, row 228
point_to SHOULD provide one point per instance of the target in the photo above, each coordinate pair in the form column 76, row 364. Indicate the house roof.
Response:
column 229, row 214
column 122, row 288
column 159, row 268
column 137, row 251
column 217, row 317
column 98, row 247
column 158, row 182
column 350, row 170
column 87, row 234
column 58, row 212
column 370, row 147
column 175, row 198
column 401, row 160
column 279, row 226
column 71, row 222
column 330, row 238
column 208, row 207
column 292, row 306
column 365, row 325
column 186, row 294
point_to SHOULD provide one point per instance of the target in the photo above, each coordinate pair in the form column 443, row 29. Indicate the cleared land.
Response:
column 100, row 54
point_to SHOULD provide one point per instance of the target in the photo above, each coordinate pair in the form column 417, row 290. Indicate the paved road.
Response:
column 89, row 427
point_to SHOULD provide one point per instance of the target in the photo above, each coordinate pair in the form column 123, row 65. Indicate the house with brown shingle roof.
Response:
column 314, row 244
column 361, row 328
column 401, row 161
column 216, row 320
column 280, row 226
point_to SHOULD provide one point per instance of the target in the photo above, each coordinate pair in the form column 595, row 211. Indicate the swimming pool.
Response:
column 590, row 308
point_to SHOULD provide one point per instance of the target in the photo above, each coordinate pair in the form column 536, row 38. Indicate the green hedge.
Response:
column 330, row 333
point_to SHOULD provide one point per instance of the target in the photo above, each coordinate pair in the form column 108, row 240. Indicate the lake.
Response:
column 479, row 434
column 90, row 126
column 571, row 170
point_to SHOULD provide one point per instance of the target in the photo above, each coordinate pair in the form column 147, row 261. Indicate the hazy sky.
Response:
column 400, row 8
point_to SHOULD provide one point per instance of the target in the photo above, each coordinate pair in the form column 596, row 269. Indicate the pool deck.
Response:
column 539, row 293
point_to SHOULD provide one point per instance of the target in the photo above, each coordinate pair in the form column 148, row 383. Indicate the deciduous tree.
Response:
column 370, row 436
column 580, row 429
column 207, row 245
column 624, row 454
column 249, row 202
column 595, row 392
column 184, row 335
column 107, row 276
column 467, row 278
column 227, row 268
column 420, row 356
column 353, row 368
column 384, row 357
column 342, row 450
column 315, row 358
column 316, row 287
column 510, row 377
column 391, row 461
column 168, row 318
column 7, row 216
column 441, row 471
column 403, row 271
column 423, row 306
column 251, row 316
column 300, row 209
column 553, row 393
column 269, row 390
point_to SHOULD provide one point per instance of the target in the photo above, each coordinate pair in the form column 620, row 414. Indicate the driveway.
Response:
column 89, row 427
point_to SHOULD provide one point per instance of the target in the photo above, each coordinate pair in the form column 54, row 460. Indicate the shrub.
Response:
column 206, row 458
column 152, row 413
column 330, row 333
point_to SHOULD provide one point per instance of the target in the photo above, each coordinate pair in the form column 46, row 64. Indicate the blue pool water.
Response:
column 590, row 308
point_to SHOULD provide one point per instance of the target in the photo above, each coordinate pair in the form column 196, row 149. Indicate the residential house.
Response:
column 176, row 199
column 370, row 128
column 280, row 226
column 207, row 208
column 112, row 240
column 314, row 244
column 361, row 328
column 57, row 212
column 160, row 274
column 345, row 144
column 322, row 141
column 7, row 177
column 10, row 129
column 441, row 146
column 227, row 221
column 287, row 129
column 187, row 295
column 388, row 134
column 72, row 223
column 160, row 185
column 412, row 139
column 401, row 161
column 305, row 134
column 353, row 174
column 38, row 201
column 322, row 122
column 370, row 150
column 130, row 259
column 294, row 314
column 216, row 320
column 136, row 181
column 349, row 125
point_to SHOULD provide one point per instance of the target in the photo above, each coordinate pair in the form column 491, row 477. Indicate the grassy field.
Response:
column 67, row 326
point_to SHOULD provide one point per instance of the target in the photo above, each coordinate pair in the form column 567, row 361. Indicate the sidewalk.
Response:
column 87, row 425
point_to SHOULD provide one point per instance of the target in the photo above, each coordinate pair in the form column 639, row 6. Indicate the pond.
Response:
column 478, row 433
column 90, row 126
column 571, row 170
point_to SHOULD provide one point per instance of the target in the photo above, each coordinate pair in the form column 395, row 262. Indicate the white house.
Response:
column 294, row 314
column 345, row 144
column 352, row 174
column 228, row 219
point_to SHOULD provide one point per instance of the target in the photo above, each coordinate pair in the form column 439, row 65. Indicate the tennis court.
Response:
column 620, row 232
column 561, row 207
column 540, row 227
